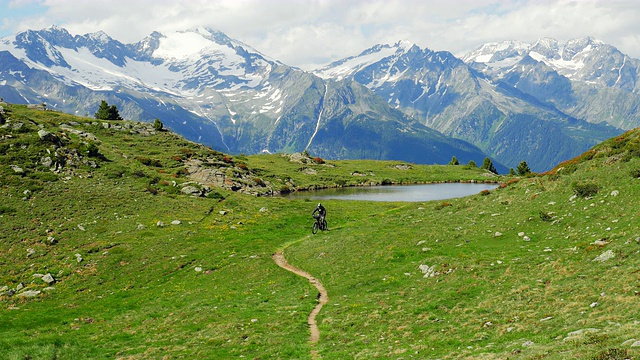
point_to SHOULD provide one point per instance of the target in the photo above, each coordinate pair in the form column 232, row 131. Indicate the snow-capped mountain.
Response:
column 584, row 78
column 218, row 91
column 444, row 93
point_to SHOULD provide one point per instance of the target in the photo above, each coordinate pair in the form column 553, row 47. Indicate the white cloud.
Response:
column 309, row 33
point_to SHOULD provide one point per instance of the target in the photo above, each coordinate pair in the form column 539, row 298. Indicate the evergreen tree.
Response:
column 158, row 125
column 106, row 112
column 488, row 165
column 512, row 172
column 454, row 161
column 472, row 164
column 523, row 168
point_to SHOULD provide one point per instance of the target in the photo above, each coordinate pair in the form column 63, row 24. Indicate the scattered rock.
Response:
column 17, row 169
column 615, row 193
column 521, row 234
column 528, row 343
column 191, row 190
column 30, row 252
column 47, row 136
column 51, row 240
column 497, row 234
column 264, row 209
column 81, row 227
column 607, row 255
column 576, row 334
column 29, row 294
column 160, row 224
column 428, row 271
column 526, row 238
column 46, row 161
column 140, row 227
column 176, row 222
column 198, row 269
column 48, row 279
column 222, row 212
column 78, row 258
column 593, row 304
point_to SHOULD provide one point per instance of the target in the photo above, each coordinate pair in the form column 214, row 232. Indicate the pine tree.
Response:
column 106, row 112
column 454, row 161
column 472, row 164
column 158, row 125
column 523, row 168
column 488, row 165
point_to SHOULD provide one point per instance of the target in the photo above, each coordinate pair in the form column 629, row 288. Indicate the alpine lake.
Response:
column 396, row 193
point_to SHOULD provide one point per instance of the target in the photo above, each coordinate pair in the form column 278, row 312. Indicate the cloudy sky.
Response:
column 311, row 33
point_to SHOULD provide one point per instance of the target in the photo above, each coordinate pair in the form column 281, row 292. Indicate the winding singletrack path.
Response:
column 323, row 298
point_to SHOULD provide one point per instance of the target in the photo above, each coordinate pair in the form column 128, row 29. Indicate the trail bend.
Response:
column 323, row 298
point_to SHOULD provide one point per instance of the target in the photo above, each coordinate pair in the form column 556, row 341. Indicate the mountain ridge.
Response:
column 225, row 94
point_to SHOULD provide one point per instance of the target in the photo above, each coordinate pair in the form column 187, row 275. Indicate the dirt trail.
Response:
column 323, row 298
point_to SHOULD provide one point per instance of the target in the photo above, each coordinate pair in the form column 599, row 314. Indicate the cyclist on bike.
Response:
column 322, row 212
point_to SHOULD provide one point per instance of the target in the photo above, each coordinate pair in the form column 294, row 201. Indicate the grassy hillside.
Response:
column 144, row 270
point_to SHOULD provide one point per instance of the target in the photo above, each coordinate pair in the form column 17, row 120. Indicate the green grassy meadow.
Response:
column 513, row 269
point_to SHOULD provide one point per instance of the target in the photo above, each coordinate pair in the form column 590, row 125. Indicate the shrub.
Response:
column 443, row 205
column 585, row 190
column 138, row 174
column 152, row 190
column 259, row 182
column 215, row 195
column 148, row 161
column 635, row 173
column 485, row 192
column 242, row 166
column 545, row 216
column 116, row 173
column 318, row 160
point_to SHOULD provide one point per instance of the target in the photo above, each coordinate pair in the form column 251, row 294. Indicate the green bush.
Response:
column 635, row 173
column 585, row 190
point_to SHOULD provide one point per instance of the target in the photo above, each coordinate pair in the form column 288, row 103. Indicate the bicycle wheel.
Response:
column 314, row 228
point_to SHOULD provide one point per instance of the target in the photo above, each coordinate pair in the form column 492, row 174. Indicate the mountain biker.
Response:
column 322, row 212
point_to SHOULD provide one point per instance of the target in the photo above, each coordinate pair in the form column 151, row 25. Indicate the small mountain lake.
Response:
column 389, row 193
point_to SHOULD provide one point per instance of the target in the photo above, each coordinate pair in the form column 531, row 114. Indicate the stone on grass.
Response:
column 78, row 258
column 29, row 293
column 176, row 222
column 428, row 271
column 48, row 279
column 607, row 255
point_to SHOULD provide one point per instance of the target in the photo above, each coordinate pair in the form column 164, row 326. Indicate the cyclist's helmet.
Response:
column 319, row 204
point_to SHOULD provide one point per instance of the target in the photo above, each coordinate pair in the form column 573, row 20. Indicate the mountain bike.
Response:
column 322, row 225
